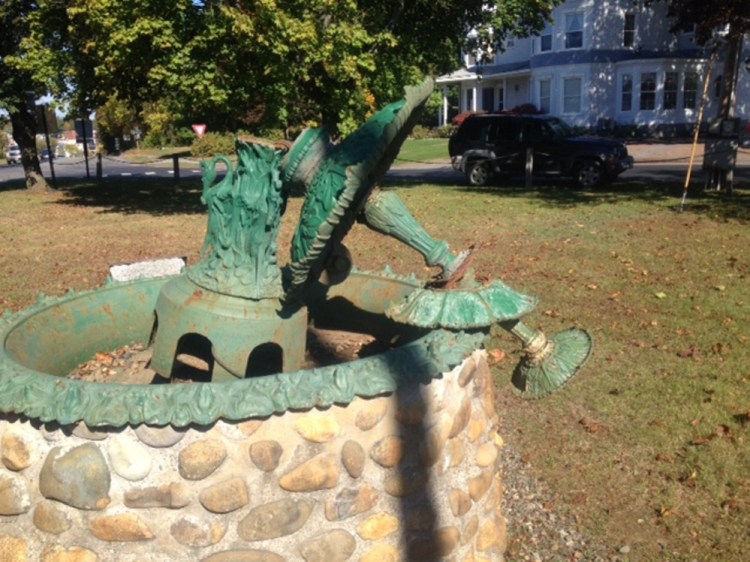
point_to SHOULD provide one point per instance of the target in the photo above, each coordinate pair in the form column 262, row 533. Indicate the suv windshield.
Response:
column 559, row 129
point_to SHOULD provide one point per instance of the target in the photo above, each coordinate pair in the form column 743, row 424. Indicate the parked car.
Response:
column 13, row 154
column 44, row 155
column 488, row 145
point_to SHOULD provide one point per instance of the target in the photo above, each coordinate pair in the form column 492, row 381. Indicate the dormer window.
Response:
column 574, row 30
column 628, row 34
column 545, row 39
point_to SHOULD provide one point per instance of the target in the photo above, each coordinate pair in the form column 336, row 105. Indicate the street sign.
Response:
column 45, row 113
column 200, row 130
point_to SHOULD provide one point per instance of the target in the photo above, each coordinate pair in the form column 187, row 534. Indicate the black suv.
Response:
column 486, row 144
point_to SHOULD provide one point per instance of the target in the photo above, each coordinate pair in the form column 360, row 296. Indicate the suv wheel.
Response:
column 589, row 174
column 478, row 173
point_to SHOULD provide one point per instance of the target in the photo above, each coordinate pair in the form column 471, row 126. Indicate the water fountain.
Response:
column 262, row 453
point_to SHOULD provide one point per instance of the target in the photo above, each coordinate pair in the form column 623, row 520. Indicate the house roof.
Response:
column 486, row 71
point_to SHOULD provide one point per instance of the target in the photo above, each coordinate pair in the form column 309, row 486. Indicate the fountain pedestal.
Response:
column 236, row 337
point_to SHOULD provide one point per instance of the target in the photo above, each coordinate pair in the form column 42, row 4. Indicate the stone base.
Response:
column 406, row 476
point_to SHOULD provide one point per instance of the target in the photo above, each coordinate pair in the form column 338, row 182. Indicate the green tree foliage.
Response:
column 706, row 18
column 258, row 64
column 19, row 85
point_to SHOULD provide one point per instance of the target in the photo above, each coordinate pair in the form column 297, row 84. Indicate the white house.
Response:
column 600, row 63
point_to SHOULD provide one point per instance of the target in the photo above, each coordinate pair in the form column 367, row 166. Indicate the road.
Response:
column 438, row 173
column 111, row 167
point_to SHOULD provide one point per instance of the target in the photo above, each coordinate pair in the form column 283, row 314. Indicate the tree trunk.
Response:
column 24, row 133
column 729, row 76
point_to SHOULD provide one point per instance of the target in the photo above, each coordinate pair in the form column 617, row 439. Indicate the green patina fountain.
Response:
column 247, row 318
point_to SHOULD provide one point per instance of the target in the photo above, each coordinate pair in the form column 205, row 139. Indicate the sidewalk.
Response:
column 657, row 153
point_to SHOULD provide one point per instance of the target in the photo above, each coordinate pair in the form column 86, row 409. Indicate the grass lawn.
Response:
column 647, row 447
column 423, row 150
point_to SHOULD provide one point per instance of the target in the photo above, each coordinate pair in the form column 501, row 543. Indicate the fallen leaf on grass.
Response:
column 721, row 348
column 663, row 512
column 729, row 506
column 721, row 431
column 660, row 295
column 691, row 351
column 591, row 426
column 495, row 356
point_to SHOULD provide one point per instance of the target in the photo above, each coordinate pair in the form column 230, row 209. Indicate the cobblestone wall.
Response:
column 408, row 476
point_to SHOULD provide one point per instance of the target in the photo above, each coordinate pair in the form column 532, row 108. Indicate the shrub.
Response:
column 420, row 132
column 212, row 144
column 183, row 137
column 445, row 131
column 461, row 117
column 154, row 140
column 524, row 109
column 272, row 134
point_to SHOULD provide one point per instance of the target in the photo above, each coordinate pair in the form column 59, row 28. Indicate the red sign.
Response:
column 200, row 130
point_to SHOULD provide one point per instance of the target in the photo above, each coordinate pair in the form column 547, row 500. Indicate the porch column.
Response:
column 443, row 117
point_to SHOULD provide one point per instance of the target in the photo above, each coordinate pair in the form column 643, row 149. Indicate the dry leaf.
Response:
column 495, row 356
column 689, row 352
column 723, row 431
column 661, row 457
column 104, row 358
column 591, row 426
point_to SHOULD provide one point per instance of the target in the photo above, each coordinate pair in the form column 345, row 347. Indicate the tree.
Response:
column 18, row 87
column 732, row 17
column 260, row 63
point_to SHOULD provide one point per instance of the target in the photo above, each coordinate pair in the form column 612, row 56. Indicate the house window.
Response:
column 571, row 95
column 690, row 90
column 545, row 40
column 545, row 94
column 627, row 92
column 574, row 30
column 648, row 90
column 500, row 98
column 670, row 90
column 628, row 35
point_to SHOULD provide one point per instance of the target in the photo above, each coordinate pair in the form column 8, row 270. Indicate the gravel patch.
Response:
column 537, row 531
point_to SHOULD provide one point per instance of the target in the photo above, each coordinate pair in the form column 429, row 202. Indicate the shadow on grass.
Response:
column 161, row 196
column 560, row 193
column 155, row 196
